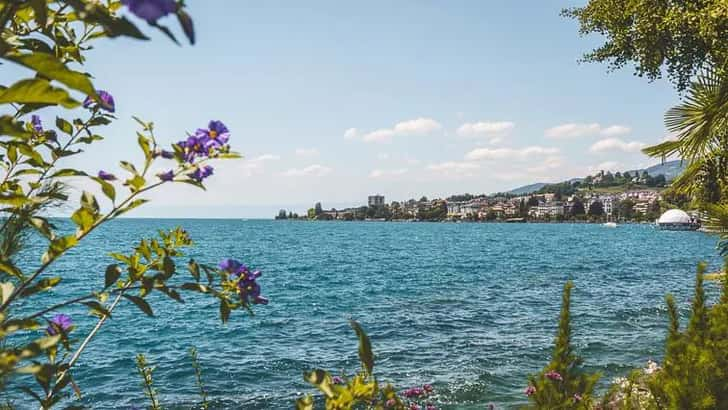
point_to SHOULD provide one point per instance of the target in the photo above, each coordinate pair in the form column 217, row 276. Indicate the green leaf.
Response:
column 185, row 21
column 195, row 287
column 141, row 304
column 8, row 126
column 97, row 308
column 322, row 380
column 64, row 126
column 10, row 269
column 132, row 205
column 6, row 289
column 136, row 183
column 194, row 269
column 41, row 12
column 40, row 286
column 129, row 167
column 113, row 273
column 13, row 200
column 145, row 145
column 51, row 68
column 107, row 188
column 168, row 266
column 304, row 403
column 42, row 225
column 68, row 172
column 89, row 202
column 224, row 310
column 37, row 91
column 365, row 347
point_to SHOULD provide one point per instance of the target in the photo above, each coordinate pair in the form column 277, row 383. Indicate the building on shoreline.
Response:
column 375, row 200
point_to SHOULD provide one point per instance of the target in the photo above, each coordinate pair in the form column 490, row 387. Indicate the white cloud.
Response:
column 315, row 170
column 453, row 168
column 419, row 126
column 351, row 133
column 382, row 156
column 250, row 167
column 509, row 153
column 616, row 144
column 612, row 166
column 266, row 157
column 494, row 131
column 383, row 173
column 548, row 164
column 575, row 130
column 615, row 131
column 307, row 152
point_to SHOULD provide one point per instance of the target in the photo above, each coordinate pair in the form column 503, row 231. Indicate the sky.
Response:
column 333, row 101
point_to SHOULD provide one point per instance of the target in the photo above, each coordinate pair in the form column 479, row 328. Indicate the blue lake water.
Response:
column 471, row 308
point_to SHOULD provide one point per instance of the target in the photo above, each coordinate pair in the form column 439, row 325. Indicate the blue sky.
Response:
column 331, row 101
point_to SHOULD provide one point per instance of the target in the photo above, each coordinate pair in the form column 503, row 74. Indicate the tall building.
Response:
column 376, row 200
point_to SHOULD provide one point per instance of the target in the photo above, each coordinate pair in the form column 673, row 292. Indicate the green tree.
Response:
column 577, row 208
column 626, row 209
column 318, row 210
column 596, row 208
column 562, row 384
column 680, row 37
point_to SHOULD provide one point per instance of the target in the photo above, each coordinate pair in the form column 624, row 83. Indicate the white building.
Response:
column 376, row 200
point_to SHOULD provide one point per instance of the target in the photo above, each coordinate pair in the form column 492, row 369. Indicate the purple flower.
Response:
column 107, row 101
column 201, row 173
column 554, row 375
column 107, row 176
column 577, row 397
column 166, row 176
column 247, row 286
column 414, row 392
column 166, row 154
column 150, row 10
column 530, row 391
column 37, row 124
column 216, row 134
column 231, row 266
column 59, row 322
column 193, row 147
column 337, row 380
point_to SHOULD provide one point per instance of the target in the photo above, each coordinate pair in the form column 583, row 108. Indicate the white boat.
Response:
column 610, row 224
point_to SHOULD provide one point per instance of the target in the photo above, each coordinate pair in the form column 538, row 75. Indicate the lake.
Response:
column 470, row 308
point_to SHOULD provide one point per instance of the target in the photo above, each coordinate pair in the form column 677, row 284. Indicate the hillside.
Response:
column 669, row 169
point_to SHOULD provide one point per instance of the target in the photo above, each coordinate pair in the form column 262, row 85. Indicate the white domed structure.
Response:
column 676, row 220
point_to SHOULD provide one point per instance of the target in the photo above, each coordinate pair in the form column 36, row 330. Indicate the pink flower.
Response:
column 554, row 375
column 530, row 390
column 391, row 403
column 427, row 388
column 414, row 406
column 337, row 380
column 577, row 397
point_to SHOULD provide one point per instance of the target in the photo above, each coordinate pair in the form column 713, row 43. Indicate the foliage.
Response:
column 145, row 372
column 694, row 372
column 358, row 391
column 562, row 384
column 50, row 38
column 678, row 36
column 198, row 377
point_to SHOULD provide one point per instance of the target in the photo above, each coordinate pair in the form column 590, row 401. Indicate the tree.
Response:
column 318, row 210
column 577, row 208
column 39, row 342
column 596, row 208
column 626, row 209
column 311, row 213
column 532, row 201
column 282, row 214
column 562, row 384
column 680, row 37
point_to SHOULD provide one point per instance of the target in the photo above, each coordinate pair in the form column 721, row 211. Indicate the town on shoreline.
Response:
column 618, row 197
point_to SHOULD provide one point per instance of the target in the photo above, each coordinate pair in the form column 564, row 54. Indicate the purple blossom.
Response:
column 247, row 286
column 166, row 154
column 107, row 176
column 201, row 173
column 37, row 124
column 554, row 375
column 107, row 101
column 337, row 380
column 166, row 176
column 414, row 392
column 193, row 147
column 59, row 322
column 577, row 397
column 150, row 10
column 216, row 134
column 530, row 391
